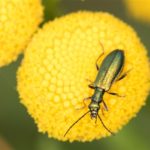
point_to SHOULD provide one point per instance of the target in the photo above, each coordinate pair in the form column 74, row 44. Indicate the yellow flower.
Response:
column 140, row 9
column 52, row 80
column 18, row 21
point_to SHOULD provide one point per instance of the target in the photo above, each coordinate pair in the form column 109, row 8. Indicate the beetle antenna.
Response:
column 104, row 125
column 76, row 122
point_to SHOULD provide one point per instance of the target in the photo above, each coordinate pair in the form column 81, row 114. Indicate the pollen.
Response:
column 59, row 64
column 18, row 21
column 140, row 10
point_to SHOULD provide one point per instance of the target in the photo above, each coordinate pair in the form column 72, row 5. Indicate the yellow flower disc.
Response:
column 18, row 21
column 140, row 9
column 52, row 80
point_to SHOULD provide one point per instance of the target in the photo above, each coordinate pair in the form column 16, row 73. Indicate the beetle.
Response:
column 109, row 71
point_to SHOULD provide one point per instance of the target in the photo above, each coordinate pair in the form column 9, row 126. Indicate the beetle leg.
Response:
column 116, row 94
column 91, row 84
column 84, row 105
column 123, row 76
column 87, row 98
column 97, row 67
column 89, row 80
column 102, row 109
column 105, row 106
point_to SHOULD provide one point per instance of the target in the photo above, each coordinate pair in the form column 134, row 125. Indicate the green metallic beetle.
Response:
column 108, row 72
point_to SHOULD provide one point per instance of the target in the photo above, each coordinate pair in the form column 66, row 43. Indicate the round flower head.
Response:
column 58, row 64
column 139, row 9
column 18, row 21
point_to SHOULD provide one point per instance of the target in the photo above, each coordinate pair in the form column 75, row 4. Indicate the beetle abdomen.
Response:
column 109, row 69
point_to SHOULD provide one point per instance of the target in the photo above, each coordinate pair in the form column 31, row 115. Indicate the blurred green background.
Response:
column 17, row 128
